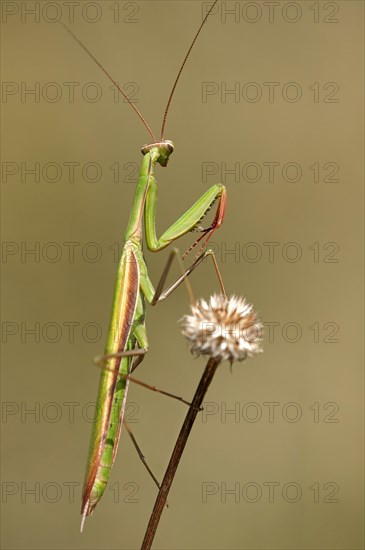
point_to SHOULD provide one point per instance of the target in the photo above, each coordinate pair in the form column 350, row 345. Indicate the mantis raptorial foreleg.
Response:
column 188, row 221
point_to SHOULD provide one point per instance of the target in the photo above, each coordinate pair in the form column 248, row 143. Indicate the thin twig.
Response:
column 202, row 388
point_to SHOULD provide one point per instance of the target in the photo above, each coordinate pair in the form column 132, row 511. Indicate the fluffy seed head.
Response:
column 226, row 328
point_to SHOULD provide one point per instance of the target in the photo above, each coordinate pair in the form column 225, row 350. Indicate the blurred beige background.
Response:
column 291, row 450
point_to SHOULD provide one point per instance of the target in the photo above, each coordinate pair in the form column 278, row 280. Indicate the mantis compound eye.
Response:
column 170, row 146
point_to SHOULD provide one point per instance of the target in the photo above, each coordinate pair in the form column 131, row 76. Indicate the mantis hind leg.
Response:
column 140, row 355
column 140, row 454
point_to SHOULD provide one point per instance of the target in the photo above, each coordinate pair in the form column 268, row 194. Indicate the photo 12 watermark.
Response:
column 53, row 492
column 270, row 92
column 59, row 412
column 70, row 11
column 270, row 412
column 271, row 171
column 252, row 492
column 66, row 92
column 68, row 171
column 231, row 12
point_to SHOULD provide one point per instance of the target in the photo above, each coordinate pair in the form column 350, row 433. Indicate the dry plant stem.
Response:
column 204, row 383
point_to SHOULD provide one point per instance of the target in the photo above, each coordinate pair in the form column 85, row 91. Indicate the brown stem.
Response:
column 178, row 450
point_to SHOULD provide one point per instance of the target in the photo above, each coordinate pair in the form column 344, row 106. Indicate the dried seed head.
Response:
column 226, row 328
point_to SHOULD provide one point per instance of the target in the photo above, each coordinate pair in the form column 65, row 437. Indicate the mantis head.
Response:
column 160, row 151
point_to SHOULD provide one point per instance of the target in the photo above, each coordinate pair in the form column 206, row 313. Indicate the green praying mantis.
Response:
column 127, row 338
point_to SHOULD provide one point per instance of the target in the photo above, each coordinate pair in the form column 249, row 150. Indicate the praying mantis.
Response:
column 127, row 336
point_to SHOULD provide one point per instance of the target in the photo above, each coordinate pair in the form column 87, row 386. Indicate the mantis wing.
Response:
column 111, row 390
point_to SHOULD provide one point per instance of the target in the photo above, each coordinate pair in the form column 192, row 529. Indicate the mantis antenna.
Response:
column 138, row 113
column 140, row 116
column 182, row 67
